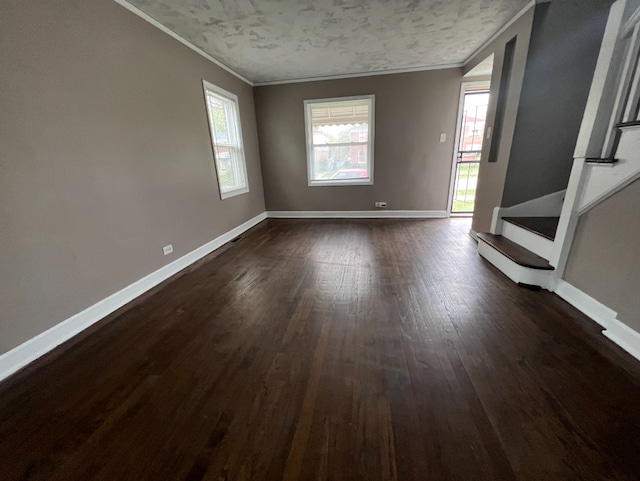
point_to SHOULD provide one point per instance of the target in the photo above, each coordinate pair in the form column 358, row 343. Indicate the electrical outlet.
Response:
column 488, row 133
column 167, row 249
column 381, row 205
column 443, row 138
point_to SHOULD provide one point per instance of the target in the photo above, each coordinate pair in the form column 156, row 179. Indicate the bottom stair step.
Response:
column 515, row 252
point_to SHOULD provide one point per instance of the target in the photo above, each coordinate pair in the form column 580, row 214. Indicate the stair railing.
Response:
column 612, row 107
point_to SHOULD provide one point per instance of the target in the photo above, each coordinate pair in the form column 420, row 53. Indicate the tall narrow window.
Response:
column 226, row 137
column 340, row 140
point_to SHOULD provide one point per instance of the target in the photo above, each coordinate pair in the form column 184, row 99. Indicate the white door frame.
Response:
column 456, row 145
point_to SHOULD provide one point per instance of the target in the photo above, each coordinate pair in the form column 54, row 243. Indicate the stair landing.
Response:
column 543, row 226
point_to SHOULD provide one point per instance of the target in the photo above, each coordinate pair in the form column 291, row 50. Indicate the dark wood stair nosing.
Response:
column 515, row 252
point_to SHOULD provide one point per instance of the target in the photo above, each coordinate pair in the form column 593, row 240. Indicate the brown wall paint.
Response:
column 412, row 168
column 604, row 261
column 105, row 157
column 492, row 175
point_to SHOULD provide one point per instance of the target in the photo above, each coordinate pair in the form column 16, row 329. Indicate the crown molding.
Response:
column 180, row 39
column 185, row 42
column 361, row 74
column 506, row 26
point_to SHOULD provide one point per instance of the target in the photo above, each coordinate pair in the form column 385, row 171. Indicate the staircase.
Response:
column 530, row 242
column 523, row 249
column 522, row 240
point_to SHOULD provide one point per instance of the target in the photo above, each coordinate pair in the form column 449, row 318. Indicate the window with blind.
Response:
column 226, row 137
column 340, row 140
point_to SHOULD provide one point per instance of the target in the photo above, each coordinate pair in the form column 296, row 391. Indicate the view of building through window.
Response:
column 469, row 150
column 339, row 147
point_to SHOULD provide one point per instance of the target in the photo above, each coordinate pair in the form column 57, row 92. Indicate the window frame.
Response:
column 308, row 104
column 225, row 95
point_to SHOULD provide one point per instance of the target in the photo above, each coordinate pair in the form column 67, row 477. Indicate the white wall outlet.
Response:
column 488, row 133
column 167, row 249
column 381, row 205
column 443, row 138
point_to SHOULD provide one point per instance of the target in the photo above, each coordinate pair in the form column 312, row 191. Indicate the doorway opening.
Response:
column 474, row 101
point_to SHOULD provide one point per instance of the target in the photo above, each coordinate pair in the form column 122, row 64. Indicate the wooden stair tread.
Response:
column 543, row 226
column 515, row 252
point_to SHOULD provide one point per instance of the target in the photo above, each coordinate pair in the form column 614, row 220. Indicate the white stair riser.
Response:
column 515, row 272
column 527, row 239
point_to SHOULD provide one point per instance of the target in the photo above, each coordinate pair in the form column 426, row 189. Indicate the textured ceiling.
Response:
column 273, row 40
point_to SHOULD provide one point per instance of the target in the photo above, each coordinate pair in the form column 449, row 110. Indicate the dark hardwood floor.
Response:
column 332, row 350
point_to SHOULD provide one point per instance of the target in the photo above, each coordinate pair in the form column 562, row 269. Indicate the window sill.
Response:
column 233, row 193
column 338, row 183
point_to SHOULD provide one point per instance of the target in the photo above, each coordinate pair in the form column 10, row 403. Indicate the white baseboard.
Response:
column 44, row 342
column 356, row 214
column 619, row 333
column 585, row 303
column 625, row 337
column 599, row 184
column 473, row 234
column 549, row 205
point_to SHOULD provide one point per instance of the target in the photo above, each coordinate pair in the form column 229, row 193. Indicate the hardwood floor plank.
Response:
column 331, row 349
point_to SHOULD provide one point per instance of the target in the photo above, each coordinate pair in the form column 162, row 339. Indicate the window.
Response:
column 340, row 140
column 226, row 136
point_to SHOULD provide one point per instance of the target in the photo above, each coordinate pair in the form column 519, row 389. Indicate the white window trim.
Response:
column 233, row 98
column 309, row 139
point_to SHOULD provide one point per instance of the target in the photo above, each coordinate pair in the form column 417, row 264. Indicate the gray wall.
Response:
column 412, row 168
column 604, row 261
column 565, row 42
column 105, row 157
column 492, row 175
